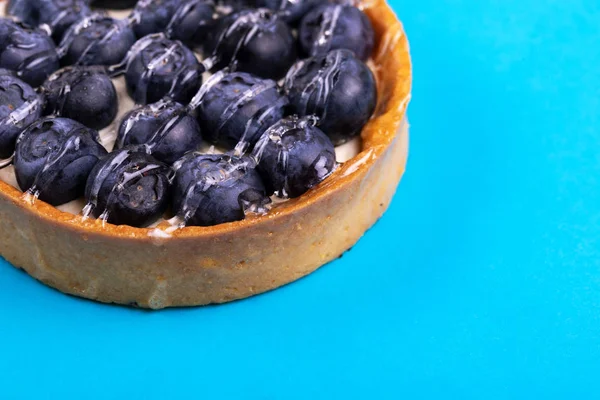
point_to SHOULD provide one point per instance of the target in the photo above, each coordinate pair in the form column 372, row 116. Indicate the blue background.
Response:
column 490, row 286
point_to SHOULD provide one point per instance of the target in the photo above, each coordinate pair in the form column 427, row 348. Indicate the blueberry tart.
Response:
column 193, row 152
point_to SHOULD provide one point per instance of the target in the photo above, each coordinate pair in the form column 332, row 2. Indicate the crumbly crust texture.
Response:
column 203, row 265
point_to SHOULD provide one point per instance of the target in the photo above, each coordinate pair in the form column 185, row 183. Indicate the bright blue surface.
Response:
column 490, row 286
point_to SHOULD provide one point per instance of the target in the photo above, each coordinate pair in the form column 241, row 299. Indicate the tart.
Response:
column 157, row 267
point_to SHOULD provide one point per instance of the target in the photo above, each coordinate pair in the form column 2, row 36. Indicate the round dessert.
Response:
column 166, row 221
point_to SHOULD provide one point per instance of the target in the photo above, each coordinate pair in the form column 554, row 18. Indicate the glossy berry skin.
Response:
column 128, row 188
column 212, row 189
column 290, row 11
column 59, row 15
column 114, row 4
column 22, row 10
column 30, row 53
column 334, row 26
column 153, row 16
column 192, row 22
column 162, row 67
column 85, row 94
column 20, row 105
column 255, row 41
column 240, row 107
column 294, row 156
column 54, row 157
column 97, row 40
column 337, row 88
column 164, row 129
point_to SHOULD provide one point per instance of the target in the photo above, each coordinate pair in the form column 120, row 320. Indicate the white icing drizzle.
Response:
column 251, row 19
column 115, row 27
column 47, row 174
column 17, row 119
column 322, row 42
column 243, row 99
column 274, row 135
column 136, row 49
column 206, row 87
column 101, row 176
column 194, row 193
column 320, row 86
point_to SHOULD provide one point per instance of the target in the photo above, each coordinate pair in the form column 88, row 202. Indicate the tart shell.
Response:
column 201, row 265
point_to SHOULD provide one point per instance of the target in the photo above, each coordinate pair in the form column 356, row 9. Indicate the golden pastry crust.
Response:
column 202, row 265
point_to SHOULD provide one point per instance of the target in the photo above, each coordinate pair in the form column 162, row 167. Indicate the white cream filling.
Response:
column 108, row 135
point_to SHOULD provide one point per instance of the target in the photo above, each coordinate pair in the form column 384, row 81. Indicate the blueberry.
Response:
column 160, row 67
column 212, row 189
column 239, row 107
column 23, row 11
column 54, row 157
column 333, row 26
column 294, row 156
column 30, row 53
column 114, row 4
column 59, row 15
column 338, row 88
column 128, row 188
column 20, row 105
column 290, row 10
column 254, row 41
column 165, row 129
column 192, row 22
column 96, row 40
column 85, row 94
column 153, row 16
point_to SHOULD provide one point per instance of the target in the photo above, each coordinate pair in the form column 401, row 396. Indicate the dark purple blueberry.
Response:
column 238, row 107
column 290, row 10
column 20, row 105
column 212, row 189
column 255, row 41
column 85, row 94
column 54, row 157
column 128, row 188
column 58, row 15
column 30, row 53
column 192, row 22
column 24, row 11
column 114, row 4
column 160, row 67
column 153, row 16
column 334, row 26
column 165, row 130
column 338, row 88
column 294, row 156
column 96, row 40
